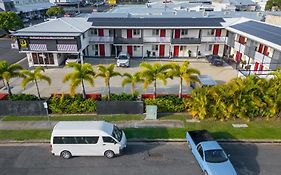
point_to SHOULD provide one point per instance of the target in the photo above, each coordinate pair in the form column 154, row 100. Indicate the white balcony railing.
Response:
column 156, row 39
column 259, row 57
column 101, row 39
column 213, row 39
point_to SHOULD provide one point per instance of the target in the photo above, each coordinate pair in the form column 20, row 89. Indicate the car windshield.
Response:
column 123, row 57
column 117, row 133
column 215, row 156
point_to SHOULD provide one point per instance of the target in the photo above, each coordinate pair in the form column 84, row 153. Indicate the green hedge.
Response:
column 245, row 98
column 26, row 97
column 121, row 97
column 167, row 103
column 69, row 105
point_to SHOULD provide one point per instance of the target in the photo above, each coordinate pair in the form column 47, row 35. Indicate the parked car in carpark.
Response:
column 123, row 60
column 87, row 138
column 209, row 154
column 215, row 60
column 203, row 81
column 72, row 58
column 25, row 20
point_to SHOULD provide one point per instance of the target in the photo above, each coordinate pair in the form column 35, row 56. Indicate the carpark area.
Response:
column 220, row 74
column 139, row 158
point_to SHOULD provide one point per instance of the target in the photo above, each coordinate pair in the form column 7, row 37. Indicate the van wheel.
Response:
column 205, row 173
column 65, row 154
column 109, row 154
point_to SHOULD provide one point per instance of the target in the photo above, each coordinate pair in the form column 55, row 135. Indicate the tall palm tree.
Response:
column 107, row 72
column 152, row 73
column 184, row 73
column 8, row 71
column 133, row 80
column 34, row 76
column 80, row 74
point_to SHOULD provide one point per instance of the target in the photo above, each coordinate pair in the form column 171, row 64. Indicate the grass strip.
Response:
column 109, row 118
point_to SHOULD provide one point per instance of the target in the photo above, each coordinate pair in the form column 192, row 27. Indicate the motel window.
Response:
column 155, row 47
column 209, row 47
column 184, row 32
column 211, row 32
column 270, row 52
column 95, row 48
column 136, row 31
column 94, row 32
column 155, row 32
column 43, row 58
column 136, row 48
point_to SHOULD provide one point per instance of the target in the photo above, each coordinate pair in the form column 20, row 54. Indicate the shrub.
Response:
column 168, row 103
column 24, row 97
column 69, row 105
column 121, row 97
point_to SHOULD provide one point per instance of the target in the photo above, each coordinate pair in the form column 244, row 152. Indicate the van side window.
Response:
column 69, row 140
column 108, row 140
column 57, row 140
column 91, row 140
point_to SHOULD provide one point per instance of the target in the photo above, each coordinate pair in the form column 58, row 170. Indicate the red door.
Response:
column 129, row 33
column 218, row 32
column 177, row 33
column 162, row 50
column 216, row 49
column 162, row 33
column 130, row 50
column 102, row 53
column 256, row 66
column 100, row 32
column 176, row 51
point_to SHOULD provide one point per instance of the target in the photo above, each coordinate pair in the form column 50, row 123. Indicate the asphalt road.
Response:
column 6, row 53
column 141, row 159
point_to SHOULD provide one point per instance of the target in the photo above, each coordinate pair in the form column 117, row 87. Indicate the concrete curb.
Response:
column 230, row 141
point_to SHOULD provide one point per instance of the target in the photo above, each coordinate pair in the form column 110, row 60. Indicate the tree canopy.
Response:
column 10, row 21
column 273, row 3
column 55, row 11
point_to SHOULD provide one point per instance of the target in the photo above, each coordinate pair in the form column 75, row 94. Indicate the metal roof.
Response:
column 261, row 30
column 156, row 22
column 59, row 25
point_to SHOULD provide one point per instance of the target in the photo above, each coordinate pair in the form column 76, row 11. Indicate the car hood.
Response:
column 224, row 168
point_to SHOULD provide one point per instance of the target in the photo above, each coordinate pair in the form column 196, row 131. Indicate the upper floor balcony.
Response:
column 156, row 39
column 214, row 39
column 101, row 39
column 120, row 40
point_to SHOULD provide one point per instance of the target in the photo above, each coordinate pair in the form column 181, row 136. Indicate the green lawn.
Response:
column 220, row 130
column 109, row 118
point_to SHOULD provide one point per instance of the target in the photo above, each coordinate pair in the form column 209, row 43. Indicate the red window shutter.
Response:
column 260, row 48
column 176, row 51
column 265, row 50
column 100, row 32
column 129, row 33
column 102, row 52
column 218, row 32
column 177, row 33
column 261, row 67
column 162, row 33
column 216, row 49
column 256, row 66
column 162, row 51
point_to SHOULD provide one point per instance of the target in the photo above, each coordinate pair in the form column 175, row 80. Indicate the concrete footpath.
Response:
column 26, row 125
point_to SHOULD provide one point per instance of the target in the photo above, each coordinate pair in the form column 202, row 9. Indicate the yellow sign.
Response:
column 111, row 2
column 23, row 43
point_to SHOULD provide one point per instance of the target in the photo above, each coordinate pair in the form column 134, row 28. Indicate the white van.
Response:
column 87, row 138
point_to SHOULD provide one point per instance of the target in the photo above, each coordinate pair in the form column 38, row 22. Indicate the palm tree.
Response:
column 133, row 80
column 152, row 73
column 8, row 71
column 184, row 73
column 34, row 76
column 80, row 74
column 107, row 73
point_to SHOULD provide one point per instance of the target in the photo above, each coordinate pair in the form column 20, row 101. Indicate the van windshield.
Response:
column 117, row 133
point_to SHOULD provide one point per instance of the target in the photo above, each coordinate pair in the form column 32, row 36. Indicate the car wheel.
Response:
column 66, row 155
column 109, row 154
